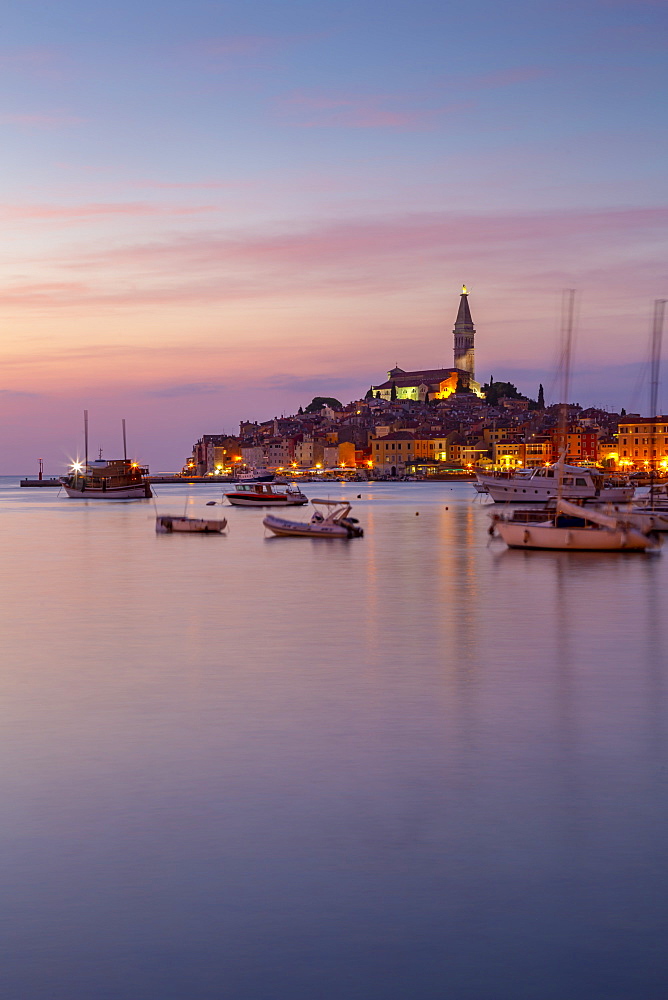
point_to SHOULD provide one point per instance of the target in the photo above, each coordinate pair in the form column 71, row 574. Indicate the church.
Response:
column 438, row 383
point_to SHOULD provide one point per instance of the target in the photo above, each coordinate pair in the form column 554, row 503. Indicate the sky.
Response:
column 213, row 211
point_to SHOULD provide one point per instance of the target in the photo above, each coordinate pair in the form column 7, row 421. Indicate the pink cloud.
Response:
column 73, row 213
column 364, row 258
column 350, row 111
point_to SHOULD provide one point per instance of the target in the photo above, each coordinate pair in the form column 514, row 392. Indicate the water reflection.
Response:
column 406, row 765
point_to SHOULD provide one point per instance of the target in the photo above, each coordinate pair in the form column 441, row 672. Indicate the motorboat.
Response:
column 331, row 519
column 113, row 479
column 266, row 495
column 570, row 527
column 167, row 523
column 571, row 482
column 253, row 475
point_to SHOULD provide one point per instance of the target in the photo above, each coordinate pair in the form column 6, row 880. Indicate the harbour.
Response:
column 415, row 763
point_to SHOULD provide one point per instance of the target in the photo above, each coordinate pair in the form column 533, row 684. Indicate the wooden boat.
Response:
column 332, row 521
column 265, row 495
column 113, row 479
column 570, row 527
column 167, row 523
column 116, row 479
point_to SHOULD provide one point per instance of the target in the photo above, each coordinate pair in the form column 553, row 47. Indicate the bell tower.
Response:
column 464, row 334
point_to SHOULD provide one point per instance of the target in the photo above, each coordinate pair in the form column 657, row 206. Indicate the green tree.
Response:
column 393, row 392
column 318, row 402
column 541, row 397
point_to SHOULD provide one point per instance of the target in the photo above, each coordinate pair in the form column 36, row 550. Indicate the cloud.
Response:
column 187, row 389
column 73, row 213
column 359, row 112
column 363, row 257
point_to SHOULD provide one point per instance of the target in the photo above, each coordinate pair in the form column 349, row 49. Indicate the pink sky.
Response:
column 204, row 225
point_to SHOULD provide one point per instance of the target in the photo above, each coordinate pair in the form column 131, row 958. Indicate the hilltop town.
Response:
column 435, row 422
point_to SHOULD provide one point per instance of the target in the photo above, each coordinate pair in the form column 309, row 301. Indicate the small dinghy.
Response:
column 330, row 520
column 166, row 523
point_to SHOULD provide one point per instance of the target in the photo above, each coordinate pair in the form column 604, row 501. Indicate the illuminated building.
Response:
column 438, row 383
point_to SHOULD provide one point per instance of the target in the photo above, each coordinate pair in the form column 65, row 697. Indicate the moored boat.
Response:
column 569, row 527
column 265, row 495
column 543, row 483
column 167, row 523
column 115, row 479
column 331, row 519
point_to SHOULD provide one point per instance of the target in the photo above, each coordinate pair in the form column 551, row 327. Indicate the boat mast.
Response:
column 86, row 439
column 567, row 314
column 125, row 447
column 655, row 366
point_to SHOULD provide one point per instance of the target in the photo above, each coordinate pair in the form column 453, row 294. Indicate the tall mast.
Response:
column 657, row 336
column 125, row 447
column 567, row 314
column 86, row 438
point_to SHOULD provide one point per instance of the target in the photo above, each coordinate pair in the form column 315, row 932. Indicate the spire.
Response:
column 464, row 336
column 464, row 323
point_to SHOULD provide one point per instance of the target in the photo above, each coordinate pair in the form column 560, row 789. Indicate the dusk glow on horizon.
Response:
column 215, row 211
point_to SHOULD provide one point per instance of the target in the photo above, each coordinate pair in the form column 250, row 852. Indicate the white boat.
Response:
column 254, row 475
column 265, row 495
column 330, row 520
column 571, row 482
column 167, row 523
column 570, row 527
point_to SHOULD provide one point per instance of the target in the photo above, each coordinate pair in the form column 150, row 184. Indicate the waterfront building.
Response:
column 643, row 441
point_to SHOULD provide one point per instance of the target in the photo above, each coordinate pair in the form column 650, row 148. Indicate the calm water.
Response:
column 406, row 766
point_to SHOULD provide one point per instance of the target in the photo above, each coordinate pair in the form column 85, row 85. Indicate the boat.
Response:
column 330, row 520
column 570, row 527
column 265, row 495
column 572, row 482
column 253, row 475
column 167, row 523
column 113, row 479
column 107, row 479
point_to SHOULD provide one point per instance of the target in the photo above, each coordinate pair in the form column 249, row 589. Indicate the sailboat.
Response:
column 569, row 526
column 107, row 479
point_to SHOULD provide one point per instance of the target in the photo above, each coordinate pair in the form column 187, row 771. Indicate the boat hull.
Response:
column 138, row 491
column 547, row 536
column 507, row 491
column 166, row 524
column 298, row 529
column 241, row 500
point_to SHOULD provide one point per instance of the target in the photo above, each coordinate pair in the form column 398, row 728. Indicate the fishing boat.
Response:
column 572, row 482
column 265, row 495
column 570, row 527
column 107, row 479
column 330, row 520
column 167, row 523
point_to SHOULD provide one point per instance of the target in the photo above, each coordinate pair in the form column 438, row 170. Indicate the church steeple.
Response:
column 464, row 336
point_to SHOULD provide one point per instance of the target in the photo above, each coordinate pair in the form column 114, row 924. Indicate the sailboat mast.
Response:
column 86, row 438
column 567, row 316
column 657, row 336
column 125, row 446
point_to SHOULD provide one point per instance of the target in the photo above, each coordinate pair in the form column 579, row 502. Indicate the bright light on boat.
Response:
column 77, row 467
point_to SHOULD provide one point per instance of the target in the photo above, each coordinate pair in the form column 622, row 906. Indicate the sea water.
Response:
column 408, row 765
